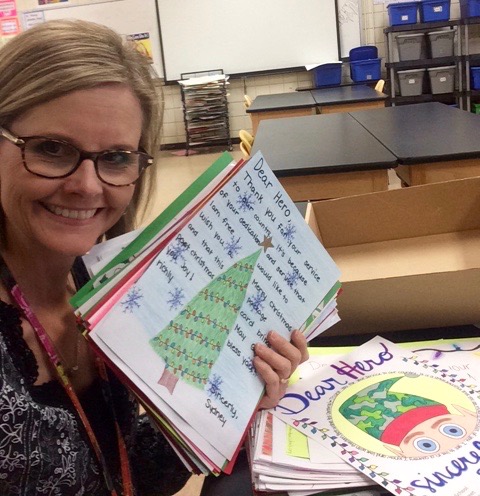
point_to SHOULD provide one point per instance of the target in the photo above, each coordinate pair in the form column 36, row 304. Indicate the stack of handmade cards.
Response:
column 284, row 459
column 177, row 312
column 407, row 422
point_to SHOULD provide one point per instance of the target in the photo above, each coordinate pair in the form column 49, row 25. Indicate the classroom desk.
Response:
column 432, row 141
column 347, row 98
column 294, row 104
column 323, row 156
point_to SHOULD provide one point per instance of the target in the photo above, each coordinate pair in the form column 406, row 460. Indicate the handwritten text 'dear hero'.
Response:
column 295, row 403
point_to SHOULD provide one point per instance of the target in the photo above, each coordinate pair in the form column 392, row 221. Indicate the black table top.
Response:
column 319, row 144
column 452, row 332
column 424, row 132
column 282, row 101
column 346, row 94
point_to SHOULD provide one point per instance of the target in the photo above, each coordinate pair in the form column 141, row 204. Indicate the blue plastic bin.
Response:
column 402, row 13
column 327, row 75
column 469, row 8
column 475, row 75
column 365, row 70
column 363, row 53
column 434, row 10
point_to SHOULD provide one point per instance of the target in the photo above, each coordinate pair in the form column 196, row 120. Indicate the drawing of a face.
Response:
column 405, row 415
column 437, row 435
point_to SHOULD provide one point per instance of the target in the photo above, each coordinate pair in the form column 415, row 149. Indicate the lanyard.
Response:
column 45, row 341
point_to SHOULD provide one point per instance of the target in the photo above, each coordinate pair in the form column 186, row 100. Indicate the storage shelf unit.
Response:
column 463, row 61
column 205, row 109
column 471, row 60
column 456, row 60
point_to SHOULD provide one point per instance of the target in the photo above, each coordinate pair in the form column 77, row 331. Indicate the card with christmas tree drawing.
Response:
column 246, row 263
column 410, row 424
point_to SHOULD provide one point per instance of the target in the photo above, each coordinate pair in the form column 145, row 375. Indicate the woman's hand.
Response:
column 276, row 364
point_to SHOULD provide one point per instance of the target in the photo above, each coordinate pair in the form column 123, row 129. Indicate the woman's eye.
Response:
column 452, row 430
column 426, row 445
column 54, row 148
column 117, row 158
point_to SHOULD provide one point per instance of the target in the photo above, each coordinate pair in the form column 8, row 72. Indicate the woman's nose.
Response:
column 85, row 179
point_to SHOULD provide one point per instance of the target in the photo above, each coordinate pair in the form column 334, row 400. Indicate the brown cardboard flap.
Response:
column 411, row 256
column 415, row 302
column 402, row 213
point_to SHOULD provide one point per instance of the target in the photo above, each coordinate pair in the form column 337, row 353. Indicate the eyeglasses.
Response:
column 55, row 159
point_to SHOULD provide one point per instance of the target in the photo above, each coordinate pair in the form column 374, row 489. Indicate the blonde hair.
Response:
column 58, row 57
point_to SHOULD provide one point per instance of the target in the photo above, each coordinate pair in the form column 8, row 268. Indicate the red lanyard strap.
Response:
column 44, row 339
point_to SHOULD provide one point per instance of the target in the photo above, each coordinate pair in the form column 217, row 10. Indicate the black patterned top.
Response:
column 44, row 449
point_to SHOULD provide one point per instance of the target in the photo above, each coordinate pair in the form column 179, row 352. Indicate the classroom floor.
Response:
column 176, row 172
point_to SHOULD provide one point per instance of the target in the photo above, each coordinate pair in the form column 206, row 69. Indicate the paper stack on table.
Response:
column 175, row 314
column 404, row 417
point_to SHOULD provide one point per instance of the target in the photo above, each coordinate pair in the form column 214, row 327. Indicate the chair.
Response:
column 245, row 151
column 380, row 84
column 247, row 101
column 246, row 142
column 246, row 137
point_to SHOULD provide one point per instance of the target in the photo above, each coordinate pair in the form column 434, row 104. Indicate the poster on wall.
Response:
column 52, row 4
column 7, row 9
column 9, row 26
column 142, row 43
column 31, row 19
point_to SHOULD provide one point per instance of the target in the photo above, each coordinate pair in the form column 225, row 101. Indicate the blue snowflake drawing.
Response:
column 214, row 386
column 176, row 251
column 291, row 278
column 250, row 366
column 256, row 301
column 232, row 247
column 131, row 301
column 289, row 231
column 245, row 202
column 176, row 298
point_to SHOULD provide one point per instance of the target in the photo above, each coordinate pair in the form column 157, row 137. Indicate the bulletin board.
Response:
column 127, row 17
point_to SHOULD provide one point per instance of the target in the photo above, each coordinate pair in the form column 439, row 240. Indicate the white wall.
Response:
column 374, row 19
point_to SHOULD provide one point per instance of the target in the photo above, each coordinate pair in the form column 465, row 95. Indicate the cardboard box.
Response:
column 410, row 258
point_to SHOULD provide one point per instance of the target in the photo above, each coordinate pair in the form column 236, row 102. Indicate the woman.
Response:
column 70, row 93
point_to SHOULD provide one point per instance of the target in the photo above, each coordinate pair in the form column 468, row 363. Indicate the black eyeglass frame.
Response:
column 21, row 142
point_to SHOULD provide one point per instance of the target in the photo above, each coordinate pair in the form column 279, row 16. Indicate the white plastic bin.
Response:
column 411, row 46
column 441, row 43
column 442, row 79
column 411, row 82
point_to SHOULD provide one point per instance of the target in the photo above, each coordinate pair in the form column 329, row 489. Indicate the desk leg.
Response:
column 434, row 172
column 335, row 185
column 403, row 173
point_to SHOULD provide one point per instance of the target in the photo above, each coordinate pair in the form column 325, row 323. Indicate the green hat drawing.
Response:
column 386, row 415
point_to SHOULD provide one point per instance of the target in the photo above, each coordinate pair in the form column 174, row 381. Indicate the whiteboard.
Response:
column 125, row 17
column 247, row 36
column 282, row 34
column 349, row 17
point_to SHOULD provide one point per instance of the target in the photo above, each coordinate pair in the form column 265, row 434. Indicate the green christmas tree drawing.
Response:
column 193, row 340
